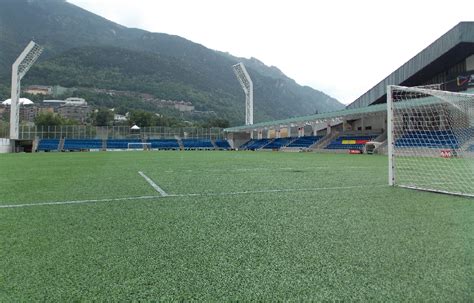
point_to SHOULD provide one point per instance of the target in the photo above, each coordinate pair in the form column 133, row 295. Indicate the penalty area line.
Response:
column 80, row 201
column 153, row 184
column 210, row 194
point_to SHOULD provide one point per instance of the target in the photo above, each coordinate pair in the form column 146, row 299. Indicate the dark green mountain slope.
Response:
column 83, row 49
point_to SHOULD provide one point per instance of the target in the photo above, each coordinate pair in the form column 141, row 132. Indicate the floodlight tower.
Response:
column 247, row 86
column 19, row 69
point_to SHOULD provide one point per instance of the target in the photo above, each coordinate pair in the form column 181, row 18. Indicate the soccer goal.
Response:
column 139, row 146
column 431, row 139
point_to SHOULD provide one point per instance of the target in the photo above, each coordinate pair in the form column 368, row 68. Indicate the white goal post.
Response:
column 139, row 146
column 431, row 139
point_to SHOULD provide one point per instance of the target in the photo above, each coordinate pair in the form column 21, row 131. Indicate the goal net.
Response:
column 139, row 146
column 431, row 139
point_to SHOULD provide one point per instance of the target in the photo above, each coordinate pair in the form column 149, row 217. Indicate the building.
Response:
column 448, row 62
column 72, row 111
column 71, row 108
column 446, row 59
column 120, row 118
column 75, row 101
column 39, row 90
column 28, row 112
column 183, row 106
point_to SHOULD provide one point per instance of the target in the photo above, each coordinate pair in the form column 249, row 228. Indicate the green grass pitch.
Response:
column 235, row 226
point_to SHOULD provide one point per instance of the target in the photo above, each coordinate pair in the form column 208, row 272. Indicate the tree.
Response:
column 142, row 118
column 216, row 122
column 49, row 119
column 102, row 117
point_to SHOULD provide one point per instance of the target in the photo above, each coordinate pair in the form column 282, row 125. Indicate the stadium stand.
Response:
column 247, row 144
column 121, row 143
column 255, row 144
column 347, row 142
column 165, row 144
column 48, row 144
column 305, row 142
column 279, row 143
column 222, row 144
column 82, row 144
column 429, row 139
column 197, row 144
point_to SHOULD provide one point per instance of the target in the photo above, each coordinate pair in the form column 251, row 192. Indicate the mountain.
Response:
column 86, row 50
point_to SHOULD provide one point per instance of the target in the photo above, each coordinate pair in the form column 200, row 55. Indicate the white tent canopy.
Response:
column 23, row 101
column 135, row 127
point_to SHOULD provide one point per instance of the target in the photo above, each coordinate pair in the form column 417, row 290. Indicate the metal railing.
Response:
column 111, row 132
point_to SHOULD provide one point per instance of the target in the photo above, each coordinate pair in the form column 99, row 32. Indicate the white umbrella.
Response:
column 135, row 127
column 23, row 101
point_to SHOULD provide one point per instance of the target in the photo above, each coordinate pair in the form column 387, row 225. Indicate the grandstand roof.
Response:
column 449, row 49
column 345, row 113
column 311, row 118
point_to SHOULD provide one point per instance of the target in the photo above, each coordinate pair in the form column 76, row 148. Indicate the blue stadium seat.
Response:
column 197, row 144
column 255, row 144
column 121, row 143
column 339, row 143
column 164, row 144
column 48, row 145
column 222, row 144
column 305, row 142
column 429, row 139
column 82, row 144
column 278, row 143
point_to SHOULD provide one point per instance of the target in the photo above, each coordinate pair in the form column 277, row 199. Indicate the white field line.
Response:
column 260, row 169
column 237, row 193
column 153, row 184
column 79, row 201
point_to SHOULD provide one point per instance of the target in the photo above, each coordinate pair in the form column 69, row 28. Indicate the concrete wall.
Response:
column 470, row 63
column 5, row 146
column 376, row 123
column 237, row 139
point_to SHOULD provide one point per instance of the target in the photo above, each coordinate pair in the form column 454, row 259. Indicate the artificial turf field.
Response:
column 233, row 226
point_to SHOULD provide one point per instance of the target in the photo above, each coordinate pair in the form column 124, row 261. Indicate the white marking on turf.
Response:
column 153, row 184
column 265, row 191
column 80, row 201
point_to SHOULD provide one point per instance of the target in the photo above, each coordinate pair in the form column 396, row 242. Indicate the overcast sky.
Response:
column 341, row 47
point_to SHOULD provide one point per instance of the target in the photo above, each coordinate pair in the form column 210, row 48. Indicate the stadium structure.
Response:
column 446, row 64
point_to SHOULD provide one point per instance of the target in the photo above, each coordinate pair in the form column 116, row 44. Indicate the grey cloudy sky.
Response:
column 341, row 47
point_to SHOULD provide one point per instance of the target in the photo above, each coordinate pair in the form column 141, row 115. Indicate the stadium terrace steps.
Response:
column 305, row 142
column 222, row 144
column 255, row 144
column 279, row 143
column 324, row 141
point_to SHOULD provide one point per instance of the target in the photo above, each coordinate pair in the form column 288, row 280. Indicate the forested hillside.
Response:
column 86, row 50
